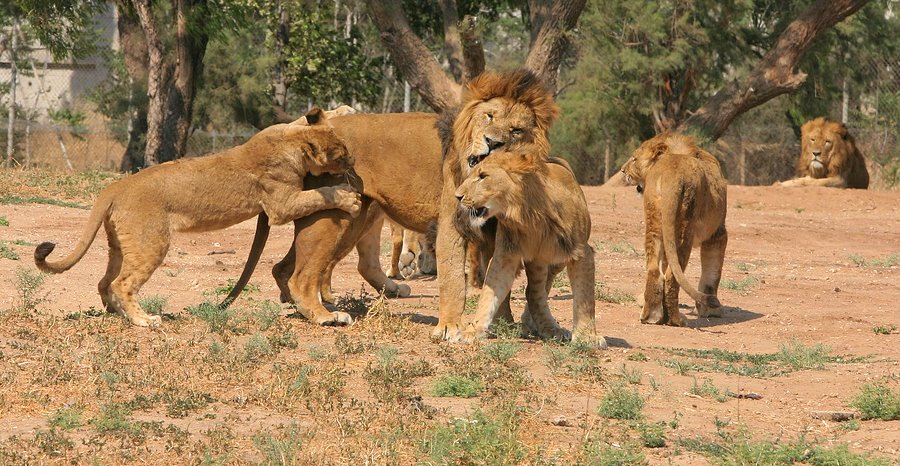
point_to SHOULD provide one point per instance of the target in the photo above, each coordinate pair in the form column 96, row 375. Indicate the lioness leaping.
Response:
column 543, row 221
column 265, row 174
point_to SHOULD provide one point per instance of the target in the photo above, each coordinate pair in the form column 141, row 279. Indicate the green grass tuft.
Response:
column 621, row 403
column 455, row 385
column 877, row 402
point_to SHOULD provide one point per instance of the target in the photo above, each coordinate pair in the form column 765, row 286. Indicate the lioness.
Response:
column 499, row 109
column 684, row 204
column 829, row 157
column 207, row 193
column 543, row 220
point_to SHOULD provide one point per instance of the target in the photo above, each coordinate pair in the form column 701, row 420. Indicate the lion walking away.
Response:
column 140, row 212
column 684, row 205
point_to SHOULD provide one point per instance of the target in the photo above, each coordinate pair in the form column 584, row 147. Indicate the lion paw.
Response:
column 336, row 318
column 349, row 201
column 408, row 264
column 447, row 332
column 474, row 332
column 712, row 307
column 403, row 291
column 591, row 339
column 145, row 320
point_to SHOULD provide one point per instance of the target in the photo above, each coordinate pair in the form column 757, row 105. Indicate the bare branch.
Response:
column 413, row 60
column 550, row 26
column 452, row 47
column 473, row 52
column 776, row 72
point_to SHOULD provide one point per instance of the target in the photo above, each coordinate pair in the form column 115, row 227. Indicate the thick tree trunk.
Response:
column 775, row 74
column 159, row 78
column 413, row 60
column 551, row 23
column 473, row 51
column 134, row 50
column 190, row 47
column 452, row 46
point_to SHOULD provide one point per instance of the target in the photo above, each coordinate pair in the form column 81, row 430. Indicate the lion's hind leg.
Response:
column 142, row 253
column 653, row 312
column 113, row 267
column 582, row 277
column 712, row 257
column 539, row 319
column 671, row 287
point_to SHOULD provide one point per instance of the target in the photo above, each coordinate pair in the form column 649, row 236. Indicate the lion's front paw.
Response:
column 589, row 337
column 336, row 318
column 349, row 201
column 447, row 332
column 403, row 291
column 145, row 320
column 474, row 332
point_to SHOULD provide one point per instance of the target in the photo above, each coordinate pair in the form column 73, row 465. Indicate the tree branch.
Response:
column 452, row 47
column 413, row 60
column 473, row 52
column 775, row 74
column 550, row 26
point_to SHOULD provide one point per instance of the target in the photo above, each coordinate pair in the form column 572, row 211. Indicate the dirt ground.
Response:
column 803, row 267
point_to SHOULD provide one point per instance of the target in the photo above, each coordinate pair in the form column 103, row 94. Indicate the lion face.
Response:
column 495, row 123
column 818, row 140
column 482, row 195
column 318, row 143
column 635, row 169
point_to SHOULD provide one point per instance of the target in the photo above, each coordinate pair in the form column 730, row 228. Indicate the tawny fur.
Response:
column 543, row 222
column 829, row 157
column 497, row 111
column 265, row 174
column 383, row 146
column 684, row 205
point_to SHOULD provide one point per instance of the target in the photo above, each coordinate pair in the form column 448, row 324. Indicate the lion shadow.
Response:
column 730, row 315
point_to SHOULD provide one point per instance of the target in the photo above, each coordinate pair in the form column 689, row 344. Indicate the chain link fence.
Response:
column 56, row 126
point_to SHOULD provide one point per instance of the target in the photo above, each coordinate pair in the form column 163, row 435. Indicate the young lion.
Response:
column 543, row 220
column 684, row 204
column 829, row 157
column 265, row 174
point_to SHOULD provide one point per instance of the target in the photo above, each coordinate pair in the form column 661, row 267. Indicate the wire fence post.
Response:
column 10, row 129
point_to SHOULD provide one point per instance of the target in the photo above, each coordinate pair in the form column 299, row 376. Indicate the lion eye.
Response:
column 827, row 142
column 517, row 132
column 812, row 139
column 482, row 175
column 490, row 116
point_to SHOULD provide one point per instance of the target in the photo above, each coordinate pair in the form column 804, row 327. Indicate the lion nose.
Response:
column 459, row 197
column 493, row 144
column 817, row 153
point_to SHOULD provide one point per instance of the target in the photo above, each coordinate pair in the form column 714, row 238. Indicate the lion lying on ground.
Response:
column 265, row 174
column 829, row 157
column 543, row 221
column 497, row 110
column 684, row 205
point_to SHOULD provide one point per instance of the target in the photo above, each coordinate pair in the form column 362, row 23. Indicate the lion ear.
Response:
column 315, row 116
column 843, row 131
column 659, row 150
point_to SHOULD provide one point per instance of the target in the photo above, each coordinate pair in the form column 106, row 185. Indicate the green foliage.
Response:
column 18, row 200
column 153, row 305
column 889, row 261
column 486, row 438
column 7, row 252
column 28, row 283
column 65, row 27
column 621, row 403
column 67, row 417
column 884, row 329
column 878, row 402
column 708, row 390
column 741, row 287
column 603, row 453
column 455, row 385
column 280, row 448
column 653, row 435
column 4, row 222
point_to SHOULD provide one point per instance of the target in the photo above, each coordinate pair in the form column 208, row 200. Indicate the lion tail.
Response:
column 669, row 218
column 256, row 249
column 98, row 214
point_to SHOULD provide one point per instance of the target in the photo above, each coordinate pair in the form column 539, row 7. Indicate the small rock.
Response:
column 220, row 263
column 560, row 421
column 837, row 290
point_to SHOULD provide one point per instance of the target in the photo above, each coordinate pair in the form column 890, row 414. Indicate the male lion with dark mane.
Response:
column 265, row 174
column 542, row 220
column 684, row 205
column 497, row 110
column 829, row 157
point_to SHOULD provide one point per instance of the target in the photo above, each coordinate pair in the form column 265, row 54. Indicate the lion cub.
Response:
column 543, row 221
column 265, row 174
column 684, row 205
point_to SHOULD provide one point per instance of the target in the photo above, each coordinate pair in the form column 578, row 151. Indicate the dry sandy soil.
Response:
column 803, row 268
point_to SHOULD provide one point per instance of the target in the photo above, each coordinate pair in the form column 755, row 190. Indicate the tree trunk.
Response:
column 413, row 60
column 190, row 47
column 279, row 80
column 10, row 129
column 452, row 47
column 473, row 51
column 159, row 79
column 550, row 26
column 775, row 74
column 134, row 50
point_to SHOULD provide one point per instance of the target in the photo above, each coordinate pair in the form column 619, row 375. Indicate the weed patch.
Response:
column 611, row 295
column 7, row 252
column 791, row 357
column 455, row 385
column 888, row 261
column 741, row 287
column 621, row 403
column 877, row 402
